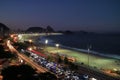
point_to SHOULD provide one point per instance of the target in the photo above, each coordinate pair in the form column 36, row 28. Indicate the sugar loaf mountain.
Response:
column 40, row 29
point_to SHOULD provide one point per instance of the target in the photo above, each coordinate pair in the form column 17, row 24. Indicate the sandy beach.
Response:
column 94, row 60
column 100, row 62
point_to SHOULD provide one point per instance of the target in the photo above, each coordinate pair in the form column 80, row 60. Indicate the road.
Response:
column 98, row 75
column 39, row 68
column 82, row 70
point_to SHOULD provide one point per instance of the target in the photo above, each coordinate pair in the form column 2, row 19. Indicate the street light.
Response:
column 46, row 41
column 89, row 47
column 30, row 41
column 30, row 49
column 20, row 36
column 57, row 45
column 88, row 55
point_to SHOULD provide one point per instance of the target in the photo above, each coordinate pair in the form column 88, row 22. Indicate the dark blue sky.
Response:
column 89, row 15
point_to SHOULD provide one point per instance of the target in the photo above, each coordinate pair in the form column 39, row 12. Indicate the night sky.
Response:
column 88, row 15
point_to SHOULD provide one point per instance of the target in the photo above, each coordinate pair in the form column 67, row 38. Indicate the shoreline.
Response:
column 107, row 55
column 95, row 60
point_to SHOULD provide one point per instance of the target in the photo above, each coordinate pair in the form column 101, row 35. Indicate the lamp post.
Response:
column 46, row 42
column 88, row 55
column 30, row 41
column 57, row 46
column 89, row 47
column 20, row 37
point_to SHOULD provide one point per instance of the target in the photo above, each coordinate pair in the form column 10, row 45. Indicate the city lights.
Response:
column 30, row 49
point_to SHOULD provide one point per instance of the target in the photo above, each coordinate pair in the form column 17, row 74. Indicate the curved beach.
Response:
column 96, row 61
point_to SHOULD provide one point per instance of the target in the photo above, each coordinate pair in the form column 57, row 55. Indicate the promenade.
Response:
column 95, row 61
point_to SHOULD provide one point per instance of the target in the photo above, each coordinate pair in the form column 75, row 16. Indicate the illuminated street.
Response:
column 36, row 66
column 81, row 57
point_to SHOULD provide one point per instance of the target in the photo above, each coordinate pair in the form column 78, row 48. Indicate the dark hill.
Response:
column 35, row 29
column 48, row 29
column 3, row 28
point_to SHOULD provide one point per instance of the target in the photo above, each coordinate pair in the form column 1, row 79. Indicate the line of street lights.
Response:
column 57, row 45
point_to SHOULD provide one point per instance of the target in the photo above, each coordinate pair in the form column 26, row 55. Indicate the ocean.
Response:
column 102, row 44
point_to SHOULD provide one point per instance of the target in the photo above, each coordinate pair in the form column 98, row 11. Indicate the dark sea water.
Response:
column 102, row 43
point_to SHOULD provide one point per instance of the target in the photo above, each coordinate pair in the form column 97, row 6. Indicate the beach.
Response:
column 95, row 61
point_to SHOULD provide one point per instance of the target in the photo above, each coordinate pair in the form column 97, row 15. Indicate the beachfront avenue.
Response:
column 98, row 63
column 42, row 64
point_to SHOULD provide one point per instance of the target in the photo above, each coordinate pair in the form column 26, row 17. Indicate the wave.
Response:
column 94, row 52
column 52, row 43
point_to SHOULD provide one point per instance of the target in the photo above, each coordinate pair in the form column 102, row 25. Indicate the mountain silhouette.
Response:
column 3, row 28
